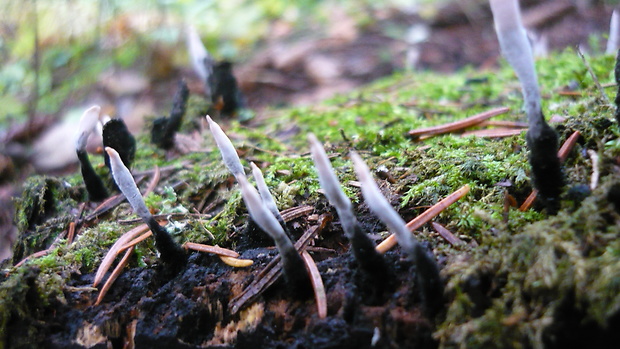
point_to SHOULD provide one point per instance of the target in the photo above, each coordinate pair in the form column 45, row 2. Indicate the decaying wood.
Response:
column 273, row 270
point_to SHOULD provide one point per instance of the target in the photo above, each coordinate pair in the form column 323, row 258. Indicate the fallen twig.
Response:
column 210, row 249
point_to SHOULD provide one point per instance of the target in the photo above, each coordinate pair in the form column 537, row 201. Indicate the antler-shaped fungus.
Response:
column 427, row 271
column 261, row 207
column 369, row 260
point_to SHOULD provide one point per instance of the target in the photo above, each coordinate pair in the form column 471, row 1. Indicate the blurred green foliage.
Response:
column 79, row 39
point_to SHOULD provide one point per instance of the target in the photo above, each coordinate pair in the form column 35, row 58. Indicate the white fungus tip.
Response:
column 88, row 123
column 263, row 190
column 379, row 205
column 327, row 178
column 227, row 150
column 261, row 215
column 127, row 185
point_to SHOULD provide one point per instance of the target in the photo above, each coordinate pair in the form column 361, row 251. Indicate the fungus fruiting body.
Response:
column 226, row 96
column 116, row 135
column 541, row 138
column 292, row 263
column 94, row 185
column 227, row 150
column 369, row 260
column 171, row 253
column 164, row 128
column 617, row 78
column 427, row 272
column 265, row 195
column 202, row 63
column 261, row 208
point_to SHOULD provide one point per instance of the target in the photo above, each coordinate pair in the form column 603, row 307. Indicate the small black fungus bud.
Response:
column 224, row 91
column 117, row 136
column 613, row 196
column 164, row 128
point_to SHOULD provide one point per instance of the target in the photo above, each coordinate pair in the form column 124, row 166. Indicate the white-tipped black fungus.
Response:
column 164, row 128
column 372, row 265
column 428, row 281
column 170, row 252
column 293, row 266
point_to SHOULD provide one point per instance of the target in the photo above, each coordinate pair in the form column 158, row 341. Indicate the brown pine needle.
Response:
column 210, row 249
column 34, row 255
column 136, row 241
column 317, row 284
column 70, row 233
column 499, row 132
column 426, row 216
column 503, row 123
column 115, row 274
column 458, row 125
column 154, row 181
column 568, row 145
column 447, row 234
column 107, row 261
column 562, row 155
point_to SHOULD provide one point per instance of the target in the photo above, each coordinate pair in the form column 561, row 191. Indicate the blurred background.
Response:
column 59, row 57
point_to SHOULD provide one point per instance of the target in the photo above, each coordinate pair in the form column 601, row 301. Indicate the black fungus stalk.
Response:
column 170, row 252
column 428, row 281
column 617, row 76
column 370, row 262
column 94, row 185
column 542, row 140
column 164, row 128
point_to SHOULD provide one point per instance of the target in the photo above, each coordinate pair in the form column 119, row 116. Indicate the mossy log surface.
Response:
column 516, row 279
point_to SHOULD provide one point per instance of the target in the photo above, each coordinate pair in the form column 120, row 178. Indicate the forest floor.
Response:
column 513, row 278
